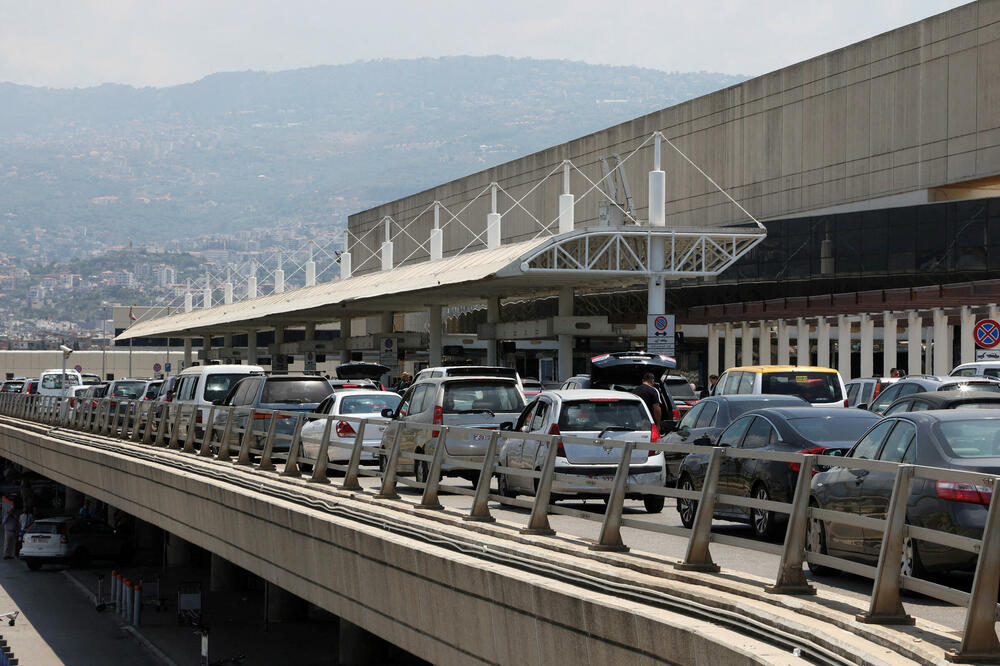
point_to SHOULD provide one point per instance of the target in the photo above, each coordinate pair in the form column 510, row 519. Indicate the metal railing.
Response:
column 251, row 436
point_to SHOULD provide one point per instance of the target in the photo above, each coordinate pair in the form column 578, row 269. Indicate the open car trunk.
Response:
column 361, row 371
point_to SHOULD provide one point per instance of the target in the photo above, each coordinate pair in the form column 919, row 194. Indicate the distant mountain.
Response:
column 239, row 150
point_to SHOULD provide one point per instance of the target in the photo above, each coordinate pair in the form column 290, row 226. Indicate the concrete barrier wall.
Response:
column 443, row 606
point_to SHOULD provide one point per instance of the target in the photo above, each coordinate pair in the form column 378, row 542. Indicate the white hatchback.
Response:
column 71, row 541
column 357, row 404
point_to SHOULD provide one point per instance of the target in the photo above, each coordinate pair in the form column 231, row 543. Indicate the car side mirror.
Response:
column 862, row 405
column 387, row 413
column 507, row 425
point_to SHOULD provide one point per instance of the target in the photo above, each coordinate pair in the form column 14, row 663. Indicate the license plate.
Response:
column 603, row 477
column 480, row 437
column 39, row 538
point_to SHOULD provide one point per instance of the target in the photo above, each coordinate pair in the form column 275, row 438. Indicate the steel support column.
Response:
column 565, row 340
column 435, row 348
column 844, row 347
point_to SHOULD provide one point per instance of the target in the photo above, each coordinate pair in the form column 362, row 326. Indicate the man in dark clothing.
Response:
column 651, row 396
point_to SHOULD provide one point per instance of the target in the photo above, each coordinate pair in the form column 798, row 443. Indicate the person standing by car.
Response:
column 26, row 521
column 712, row 381
column 10, row 533
column 647, row 391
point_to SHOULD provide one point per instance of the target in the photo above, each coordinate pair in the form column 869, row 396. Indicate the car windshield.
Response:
column 54, row 381
column 681, row 390
column 481, row 396
column 14, row 386
column 815, row 387
column 368, row 404
column 972, row 438
column 129, row 390
column 296, row 391
column 217, row 386
column 597, row 414
column 830, row 429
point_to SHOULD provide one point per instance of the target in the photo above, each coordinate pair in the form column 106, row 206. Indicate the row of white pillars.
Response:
column 937, row 337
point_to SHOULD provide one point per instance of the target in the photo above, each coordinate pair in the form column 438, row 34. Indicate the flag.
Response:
column 131, row 317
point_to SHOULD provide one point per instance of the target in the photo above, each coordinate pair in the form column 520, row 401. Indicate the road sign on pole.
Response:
column 987, row 333
column 310, row 362
column 156, row 367
column 660, row 334
column 387, row 352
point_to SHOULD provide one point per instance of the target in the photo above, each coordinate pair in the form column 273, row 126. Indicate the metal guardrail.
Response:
column 233, row 431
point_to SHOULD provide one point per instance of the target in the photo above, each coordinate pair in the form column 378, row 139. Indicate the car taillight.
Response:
column 560, row 449
column 845, row 403
column 261, row 415
column 344, row 429
column 963, row 492
column 93, row 404
column 72, row 402
column 795, row 467
column 677, row 414
column 438, row 419
column 654, row 433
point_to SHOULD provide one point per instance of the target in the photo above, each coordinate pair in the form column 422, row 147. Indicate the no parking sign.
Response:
column 987, row 333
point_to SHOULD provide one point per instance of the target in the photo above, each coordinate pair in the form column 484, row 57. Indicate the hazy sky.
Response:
column 64, row 43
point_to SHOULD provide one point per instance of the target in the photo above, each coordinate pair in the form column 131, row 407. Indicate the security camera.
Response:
column 65, row 350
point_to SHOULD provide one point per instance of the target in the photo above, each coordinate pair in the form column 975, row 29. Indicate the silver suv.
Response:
column 473, row 402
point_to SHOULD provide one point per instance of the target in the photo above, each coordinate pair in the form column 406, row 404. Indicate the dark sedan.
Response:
column 702, row 423
column 820, row 430
column 927, row 383
column 957, row 399
column 959, row 439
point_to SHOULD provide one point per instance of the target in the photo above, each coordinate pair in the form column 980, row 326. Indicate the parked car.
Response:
column 152, row 389
column 364, row 374
column 590, row 413
column 924, row 383
column 287, row 393
column 359, row 404
column 30, row 387
column 958, row 399
column 681, row 392
column 958, row 439
column 67, row 540
column 13, row 385
column 790, row 429
column 703, row 423
column 977, row 369
column 531, row 386
column 205, row 385
column 623, row 371
column 863, row 390
column 473, row 402
column 90, row 378
column 821, row 387
column 52, row 382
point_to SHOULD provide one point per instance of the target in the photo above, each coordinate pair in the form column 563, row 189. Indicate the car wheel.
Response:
column 816, row 543
column 911, row 565
column 687, row 508
column 503, row 486
column 762, row 521
column 33, row 565
column 382, row 463
column 305, row 468
column 653, row 503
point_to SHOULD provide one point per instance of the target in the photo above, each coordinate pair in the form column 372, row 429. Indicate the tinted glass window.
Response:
column 992, row 372
column 729, row 383
column 469, row 397
column 152, row 390
column 186, row 389
column 901, row 407
column 868, row 447
column 368, row 404
column 759, row 434
column 815, row 387
column 964, row 372
column 885, row 398
column 692, row 416
column 707, row 417
column 732, row 435
column 979, row 438
column 832, row 429
column 908, row 388
column 538, row 418
column 898, row 443
column 601, row 414
column 52, row 381
column 866, row 392
column 852, row 392
column 293, row 391
column 682, row 390
column 525, row 416
column 418, row 401
column 217, row 386
column 129, row 390
column 919, row 406
column 404, row 404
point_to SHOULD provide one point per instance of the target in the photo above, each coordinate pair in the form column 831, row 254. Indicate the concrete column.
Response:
column 784, row 357
column 942, row 346
column 888, row 343
column 730, row 347
column 345, row 335
column 746, row 344
column 565, row 340
column 914, row 340
column 282, row 606
column 279, row 281
column 252, row 347
column 566, row 203
column 435, row 347
column 310, row 332
column 227, row 346
column 436, row 236
column 227, row 293
column 493, row 231
column 188, row 353
column 279, row 339
column 967, row 342
column 178, row 551
column 713, row 349
column 188, row 302
column 386, row 324
column 802, row 355
column 867, row 346
column 844, row 347
column 206, row 344
column 223, row 575
column 764, row 343
column 822, row 342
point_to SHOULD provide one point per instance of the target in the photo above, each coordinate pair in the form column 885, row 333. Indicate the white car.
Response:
column 593, row 414
column 358, row 404
column 67, row 540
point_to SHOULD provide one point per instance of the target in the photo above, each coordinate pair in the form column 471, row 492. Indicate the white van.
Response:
column 50, row 382
column 206, row 385
column 977, row 369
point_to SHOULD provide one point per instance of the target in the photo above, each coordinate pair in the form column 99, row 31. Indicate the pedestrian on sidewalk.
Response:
column 27, row 520
column 10, row 532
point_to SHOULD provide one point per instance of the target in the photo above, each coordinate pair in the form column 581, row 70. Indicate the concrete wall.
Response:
column 911, row 109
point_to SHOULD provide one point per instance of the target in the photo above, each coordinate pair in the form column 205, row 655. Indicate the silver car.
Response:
column 472, row 402
column 357, row 404
column 593, row 414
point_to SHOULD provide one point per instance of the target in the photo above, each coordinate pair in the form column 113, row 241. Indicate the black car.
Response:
column 819, row 430
column 924, row 384
column 702, row 423
column 623, row 371
column 966, row 440
column 956, row 399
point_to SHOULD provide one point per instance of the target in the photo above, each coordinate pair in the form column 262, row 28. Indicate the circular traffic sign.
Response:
column 78, row 367
column 388, row 344
column 660, row 323
column 987, row 333
column 156, row 367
